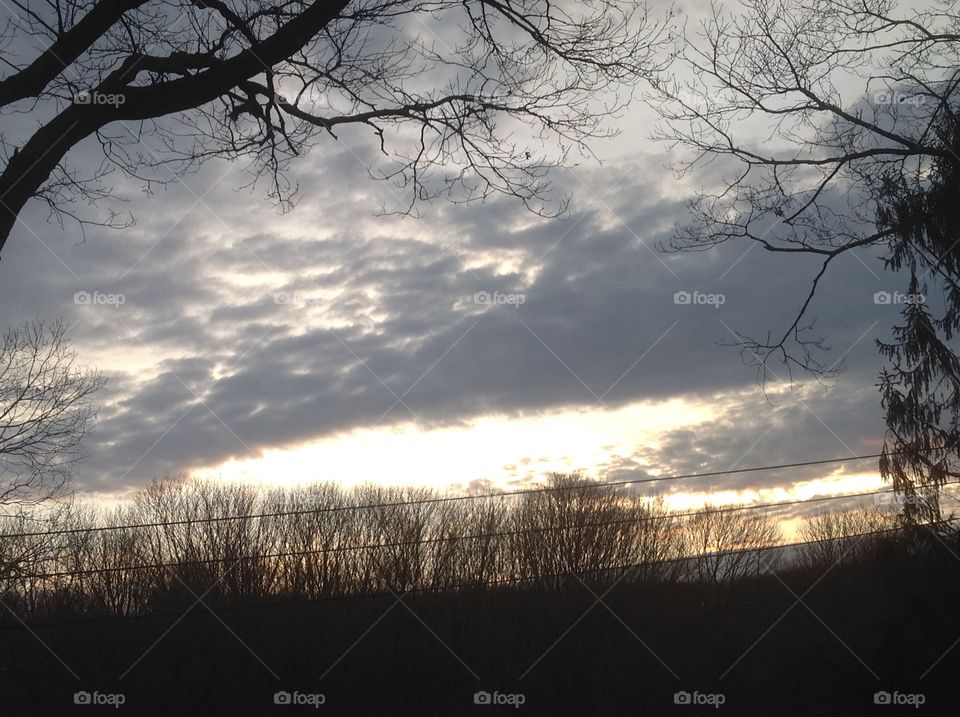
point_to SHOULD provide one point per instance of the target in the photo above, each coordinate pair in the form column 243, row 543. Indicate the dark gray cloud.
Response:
column 380, row 308
column 789, row 427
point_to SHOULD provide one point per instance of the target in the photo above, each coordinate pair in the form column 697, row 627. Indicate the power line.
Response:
column 462, row 586
column 666, row 516
column 442, row 499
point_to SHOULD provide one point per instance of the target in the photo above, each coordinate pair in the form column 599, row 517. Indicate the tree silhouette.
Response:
column 45, row 412
column 921, row 385
column 465, row 98
column 806, row 162
column 859, row 101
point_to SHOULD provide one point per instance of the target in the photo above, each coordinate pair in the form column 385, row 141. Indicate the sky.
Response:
column 473, row 346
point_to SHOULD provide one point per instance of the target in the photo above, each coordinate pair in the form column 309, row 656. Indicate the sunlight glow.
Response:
column 502, row 450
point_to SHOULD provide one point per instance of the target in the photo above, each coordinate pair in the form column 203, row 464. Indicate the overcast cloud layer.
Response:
column 242, row 329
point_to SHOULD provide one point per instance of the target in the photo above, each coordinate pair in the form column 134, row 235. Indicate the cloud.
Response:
column 380, row 325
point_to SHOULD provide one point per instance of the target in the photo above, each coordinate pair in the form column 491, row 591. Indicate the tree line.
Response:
column 241, row 544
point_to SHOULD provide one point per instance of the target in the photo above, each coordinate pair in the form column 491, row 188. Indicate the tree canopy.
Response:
column 465, row 99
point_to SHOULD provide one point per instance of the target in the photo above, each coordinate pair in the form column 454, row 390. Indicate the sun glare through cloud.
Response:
column 504, row 452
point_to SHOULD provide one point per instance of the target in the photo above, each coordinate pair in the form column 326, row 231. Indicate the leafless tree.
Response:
column 100, row 568
column 402, row 527
column 46, row 410
column 657, row 544
column 574, row 528
column 21, row 556
column 313, row 542
column 833, row 127
column 834, row 536
column 809, row 110
column 465, row 98
column 471, row 545
column 726, row 544
column 581, row 527
column 237, row 544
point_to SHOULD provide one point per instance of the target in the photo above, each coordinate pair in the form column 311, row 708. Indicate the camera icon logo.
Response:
column 281, row 698
column 482, row 698
column 881, row 698
column 682, row 297
column 81, row 698
column 882, row 297
column 681, row 698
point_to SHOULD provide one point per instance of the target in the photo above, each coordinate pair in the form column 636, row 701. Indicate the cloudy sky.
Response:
column 474, row 343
